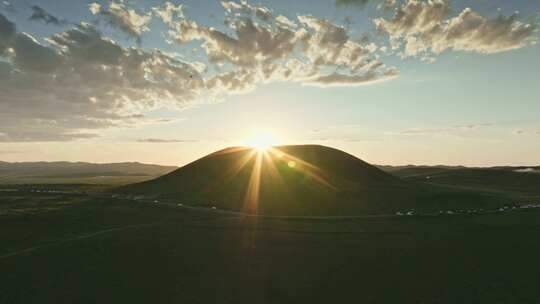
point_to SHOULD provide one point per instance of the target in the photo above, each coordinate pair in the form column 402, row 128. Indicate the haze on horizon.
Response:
column 390, row 81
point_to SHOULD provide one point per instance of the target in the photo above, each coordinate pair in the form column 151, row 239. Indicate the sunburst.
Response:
column 265, row 156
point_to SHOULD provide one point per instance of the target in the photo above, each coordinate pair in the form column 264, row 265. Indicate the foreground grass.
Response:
column 105, row 251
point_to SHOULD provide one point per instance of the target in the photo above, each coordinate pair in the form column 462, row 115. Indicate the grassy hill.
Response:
column 78, row 173
column 303, row 180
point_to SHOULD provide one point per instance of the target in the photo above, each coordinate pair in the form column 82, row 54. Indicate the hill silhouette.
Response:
column 298, row 180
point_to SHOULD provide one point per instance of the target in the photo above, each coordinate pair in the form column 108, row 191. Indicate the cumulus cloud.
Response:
column 285, row 22
column 75, row 83
column 312, row 51
column 81, row 82
column 123, row 18
column 169, row 12
column 41, row 15
column 425, row 27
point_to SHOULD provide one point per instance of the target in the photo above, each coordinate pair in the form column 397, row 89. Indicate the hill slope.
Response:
column 298, row 180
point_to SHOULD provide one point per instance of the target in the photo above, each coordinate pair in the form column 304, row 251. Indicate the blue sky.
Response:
column 471, row 101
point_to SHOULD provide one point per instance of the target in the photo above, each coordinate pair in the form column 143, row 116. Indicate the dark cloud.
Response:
column 7, row 33
column 30, row 55
column 337, row 79
column 41, row 15
column 360, row 3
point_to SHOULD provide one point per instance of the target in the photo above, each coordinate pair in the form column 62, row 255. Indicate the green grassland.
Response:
column 74, row 248
column 78, row 173
column 161, row 241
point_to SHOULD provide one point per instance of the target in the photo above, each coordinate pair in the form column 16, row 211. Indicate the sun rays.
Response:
column 270, row 161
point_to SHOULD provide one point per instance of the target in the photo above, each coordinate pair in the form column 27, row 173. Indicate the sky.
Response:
column 390, row 81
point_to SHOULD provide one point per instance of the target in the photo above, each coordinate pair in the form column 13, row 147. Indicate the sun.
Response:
column 262, row 141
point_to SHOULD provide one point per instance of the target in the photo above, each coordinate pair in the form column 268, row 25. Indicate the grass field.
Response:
column 86, row 248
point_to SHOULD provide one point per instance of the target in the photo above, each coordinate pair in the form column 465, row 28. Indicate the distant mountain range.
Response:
column 78, row 172
column 523, row 180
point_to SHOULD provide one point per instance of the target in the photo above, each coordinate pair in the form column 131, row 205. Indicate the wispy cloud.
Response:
column 442, row 130
column 474, row 126
column 383, row 4
column 361, row 3
column 10, row 152
column 161, row 140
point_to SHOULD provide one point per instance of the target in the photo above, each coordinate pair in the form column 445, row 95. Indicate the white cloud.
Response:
column 278, row 49
column 285, row 22
column 94, row 8
column 78, row 82
column 83, row 82
column 169, row 12
column 425, row 27
column 122, row 17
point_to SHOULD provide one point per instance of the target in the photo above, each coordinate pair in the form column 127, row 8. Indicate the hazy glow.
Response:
column 262, row 141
